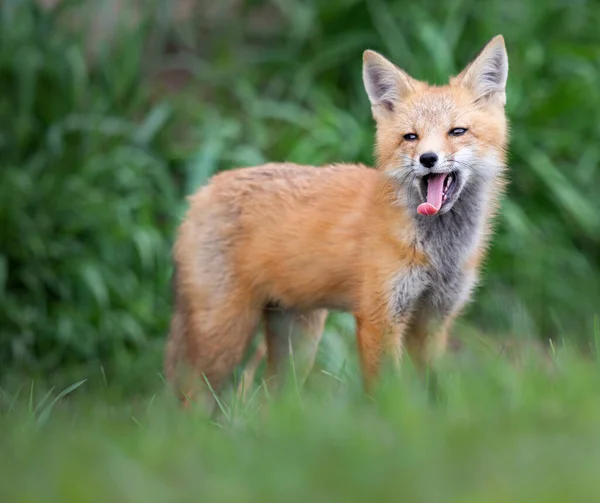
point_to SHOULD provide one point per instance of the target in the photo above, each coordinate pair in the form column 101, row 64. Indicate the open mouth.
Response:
column 439, row 187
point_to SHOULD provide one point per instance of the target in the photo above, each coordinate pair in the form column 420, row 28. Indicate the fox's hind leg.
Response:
column 207, row 341
column 292, row 334
column 247, row 377
column 216, row 313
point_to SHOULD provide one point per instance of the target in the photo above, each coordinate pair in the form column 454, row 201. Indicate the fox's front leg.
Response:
column 384, row 319
column 426, row 338
column 378, row 340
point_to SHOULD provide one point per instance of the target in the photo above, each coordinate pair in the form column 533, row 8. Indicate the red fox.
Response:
column 399, row 245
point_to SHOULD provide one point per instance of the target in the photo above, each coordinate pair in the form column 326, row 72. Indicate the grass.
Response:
column 492, row 431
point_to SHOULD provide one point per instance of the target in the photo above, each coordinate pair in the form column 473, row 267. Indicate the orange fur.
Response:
column 283, row 242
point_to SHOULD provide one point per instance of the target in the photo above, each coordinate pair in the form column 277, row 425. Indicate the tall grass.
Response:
column 493, row 432
column 87, row 198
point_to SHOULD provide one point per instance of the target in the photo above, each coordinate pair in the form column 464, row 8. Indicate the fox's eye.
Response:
column 411, row 136
column 457, row 131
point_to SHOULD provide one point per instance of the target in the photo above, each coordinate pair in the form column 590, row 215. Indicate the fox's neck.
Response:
column 452, row 237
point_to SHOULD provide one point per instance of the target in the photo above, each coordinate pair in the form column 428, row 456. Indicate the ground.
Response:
column 493, row 428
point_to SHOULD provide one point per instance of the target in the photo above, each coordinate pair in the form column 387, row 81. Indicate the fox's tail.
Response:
column 250, row 369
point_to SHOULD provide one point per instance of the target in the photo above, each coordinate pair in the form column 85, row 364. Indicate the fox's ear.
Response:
column 486, row 75
column 385, row 83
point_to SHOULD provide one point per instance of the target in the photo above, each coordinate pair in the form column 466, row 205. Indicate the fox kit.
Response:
column 399, row 245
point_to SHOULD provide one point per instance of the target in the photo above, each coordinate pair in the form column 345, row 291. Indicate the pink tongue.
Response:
column 435, row 189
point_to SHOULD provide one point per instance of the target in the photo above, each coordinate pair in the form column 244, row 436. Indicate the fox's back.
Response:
column 290, row 234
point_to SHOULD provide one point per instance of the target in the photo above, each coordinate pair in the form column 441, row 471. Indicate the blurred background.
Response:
column 111, row 112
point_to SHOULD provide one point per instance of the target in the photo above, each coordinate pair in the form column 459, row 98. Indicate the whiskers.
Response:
column 467, row 172
column 407, row 164
column 403, row 177
column 476, row 174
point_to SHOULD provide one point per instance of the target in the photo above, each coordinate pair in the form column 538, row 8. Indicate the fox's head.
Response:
column 440, row 141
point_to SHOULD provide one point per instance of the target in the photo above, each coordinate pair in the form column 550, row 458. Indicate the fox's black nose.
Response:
column 428, row 159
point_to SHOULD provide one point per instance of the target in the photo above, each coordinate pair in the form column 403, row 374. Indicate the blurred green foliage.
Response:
column 495, row 433
column 86, row 200
column 94, row 166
